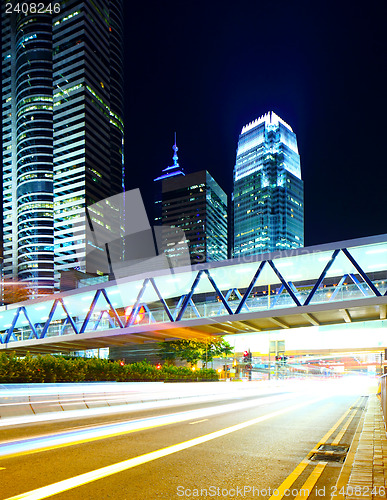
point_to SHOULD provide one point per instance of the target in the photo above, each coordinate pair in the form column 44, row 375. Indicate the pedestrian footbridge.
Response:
column 335, row 283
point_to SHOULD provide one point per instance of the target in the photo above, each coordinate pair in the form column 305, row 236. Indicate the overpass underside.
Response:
column 337, row 284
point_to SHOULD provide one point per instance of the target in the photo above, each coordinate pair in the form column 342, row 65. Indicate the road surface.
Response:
column 261, row 446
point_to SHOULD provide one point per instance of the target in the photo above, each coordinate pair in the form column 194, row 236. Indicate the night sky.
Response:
column 206, row 68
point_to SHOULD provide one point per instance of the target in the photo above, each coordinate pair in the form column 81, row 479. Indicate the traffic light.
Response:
column 247, row 357
column 281, row 359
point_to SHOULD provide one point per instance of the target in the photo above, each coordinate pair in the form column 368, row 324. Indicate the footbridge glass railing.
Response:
column 298, row 278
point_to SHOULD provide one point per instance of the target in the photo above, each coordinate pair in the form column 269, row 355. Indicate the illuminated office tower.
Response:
column 27, row 128
column 196, row 204
column 268, row 206
column 88, row 125
column 62, row 133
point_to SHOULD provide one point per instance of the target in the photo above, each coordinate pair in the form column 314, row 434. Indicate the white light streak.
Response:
column 109, row 470
column 101, row 432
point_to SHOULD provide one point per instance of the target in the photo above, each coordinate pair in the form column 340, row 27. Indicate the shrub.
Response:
column 48, row 368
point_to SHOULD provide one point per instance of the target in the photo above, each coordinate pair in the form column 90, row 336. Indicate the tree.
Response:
column 15, row 291
column 194, row 350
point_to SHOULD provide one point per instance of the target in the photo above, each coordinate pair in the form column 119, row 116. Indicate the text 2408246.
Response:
column 32, row 8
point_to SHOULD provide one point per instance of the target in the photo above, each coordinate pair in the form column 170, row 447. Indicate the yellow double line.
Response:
column 318, row 470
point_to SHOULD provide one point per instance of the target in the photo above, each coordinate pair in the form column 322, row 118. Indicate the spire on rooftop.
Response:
column 174, row 169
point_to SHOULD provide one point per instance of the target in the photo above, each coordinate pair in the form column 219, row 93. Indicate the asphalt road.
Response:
column 244, row 448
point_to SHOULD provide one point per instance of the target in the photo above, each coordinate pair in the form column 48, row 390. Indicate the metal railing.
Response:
column 211, row 308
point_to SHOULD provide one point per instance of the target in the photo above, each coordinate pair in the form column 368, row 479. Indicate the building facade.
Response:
column 62, row 133
column 28, row 148
column 268, row 204
column 196, row 204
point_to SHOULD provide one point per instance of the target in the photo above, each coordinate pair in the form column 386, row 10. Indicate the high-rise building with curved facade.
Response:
column 62, row 132
column 28, row 149
column 268, row 196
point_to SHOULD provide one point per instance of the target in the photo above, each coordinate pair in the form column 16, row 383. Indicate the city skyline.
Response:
column 204, row 70
column 352, row 197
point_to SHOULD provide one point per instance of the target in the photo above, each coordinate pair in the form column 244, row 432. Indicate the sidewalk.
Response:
column 364, row 474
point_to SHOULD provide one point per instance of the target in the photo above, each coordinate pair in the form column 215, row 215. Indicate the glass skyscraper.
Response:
column 28, row 148
column 196, row 204
column 268, row 205
column 62, row 132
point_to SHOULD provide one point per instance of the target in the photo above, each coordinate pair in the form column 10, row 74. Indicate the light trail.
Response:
column 128, row 407
column 88, row 477
column 60, row 440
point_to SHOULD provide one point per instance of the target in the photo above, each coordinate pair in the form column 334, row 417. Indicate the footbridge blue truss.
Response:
column 333, row 283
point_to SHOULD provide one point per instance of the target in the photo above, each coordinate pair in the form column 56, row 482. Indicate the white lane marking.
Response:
column 198, row 421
